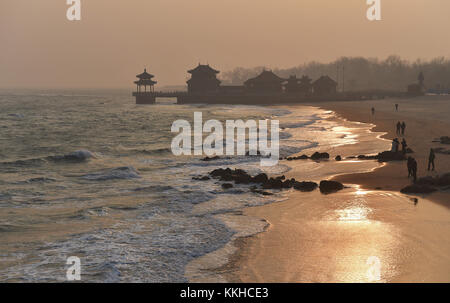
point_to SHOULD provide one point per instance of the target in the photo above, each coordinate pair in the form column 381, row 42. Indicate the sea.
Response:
column 89, row 173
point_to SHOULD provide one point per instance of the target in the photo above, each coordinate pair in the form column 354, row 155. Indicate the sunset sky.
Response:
column 40, row 48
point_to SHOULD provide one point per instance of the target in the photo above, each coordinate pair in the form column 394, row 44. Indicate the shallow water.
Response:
column 91, row 174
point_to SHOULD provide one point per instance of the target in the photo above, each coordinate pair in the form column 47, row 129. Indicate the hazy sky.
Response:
column 40, row 48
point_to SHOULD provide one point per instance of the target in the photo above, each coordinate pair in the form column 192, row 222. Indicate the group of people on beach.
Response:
column 396, row 144
column 401, row 126
column 411, row 162
column 412, row 165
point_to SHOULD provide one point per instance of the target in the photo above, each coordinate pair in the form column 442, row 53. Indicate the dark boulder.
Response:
column 302, row 157
column 327, row 187
column 445, row 140
column 319, row 156
column 261, row 178
column 387, row 156
column 289, row 183
column 227, row 185
column 273, row 184
column 338, row 158
column 220, row 172
column 443, row 180
column 201, row 178
column 210, row 159
column 418, row 189
column 305, row 186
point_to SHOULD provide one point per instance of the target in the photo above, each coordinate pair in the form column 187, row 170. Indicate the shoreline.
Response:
column 387, row 177
column 242, row 268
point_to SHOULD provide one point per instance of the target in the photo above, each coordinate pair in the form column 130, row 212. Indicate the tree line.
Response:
column 359, row 73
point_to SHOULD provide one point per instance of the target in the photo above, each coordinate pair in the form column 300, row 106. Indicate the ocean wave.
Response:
column 77, row 156
column 125, row 172
column 37, row 180
column 154, row 188
column 297, row 124
column 24, row 163
column 158, row 151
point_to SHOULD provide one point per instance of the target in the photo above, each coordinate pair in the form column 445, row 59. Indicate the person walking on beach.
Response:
column 409, row 165
column 403, row 126
column 431, row 158
column 414, row 169
column 404, row 146
column 399, row 126
column 373, row 111
column 396, row 107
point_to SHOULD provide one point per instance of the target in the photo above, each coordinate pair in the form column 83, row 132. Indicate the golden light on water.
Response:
column 353, row 214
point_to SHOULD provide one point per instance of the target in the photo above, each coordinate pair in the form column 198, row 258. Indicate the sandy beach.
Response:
column 329, row 238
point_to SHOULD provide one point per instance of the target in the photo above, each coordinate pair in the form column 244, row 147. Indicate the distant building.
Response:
column 417, row 89
column 145, row 96
column 266, row 82
column 232, row 89
column 324, row 86
column 203, row 80
column 305, row 85
column 145, row 79
column 292, row 85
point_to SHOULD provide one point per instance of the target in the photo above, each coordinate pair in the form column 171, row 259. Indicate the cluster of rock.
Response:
column 239, row 176
column 385, row 156
column 315, row 156
column 428, row 185
column 445, row 140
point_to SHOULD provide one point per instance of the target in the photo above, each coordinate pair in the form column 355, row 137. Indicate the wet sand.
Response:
column 330, row 238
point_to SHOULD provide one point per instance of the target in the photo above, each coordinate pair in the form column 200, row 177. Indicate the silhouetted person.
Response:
column 404, row 146
column 414, row 169
column 409, row 165
column 373, row 111
column 403, row 126
column 396, row 107
column 395, row 145
column 431, row 158
column 399, row 126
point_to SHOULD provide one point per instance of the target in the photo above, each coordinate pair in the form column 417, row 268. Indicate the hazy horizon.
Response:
column 114, row 41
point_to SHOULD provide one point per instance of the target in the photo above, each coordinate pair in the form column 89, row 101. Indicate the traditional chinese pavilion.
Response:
column 203, row 80
column 324, row 86
column 266, row 82
column 142, row 94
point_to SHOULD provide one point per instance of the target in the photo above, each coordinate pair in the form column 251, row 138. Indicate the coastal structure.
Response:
column 266, row 88
column 417, row 89
column 305, row 85
column 203, row 80
column 292, row 85
column 324, row 86
column 144, row 96
column 266, row 82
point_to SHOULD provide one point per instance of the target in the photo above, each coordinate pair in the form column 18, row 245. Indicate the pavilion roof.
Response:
column 204, row 69
column 264, row 77
column 145, row 75
column 325, row 80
